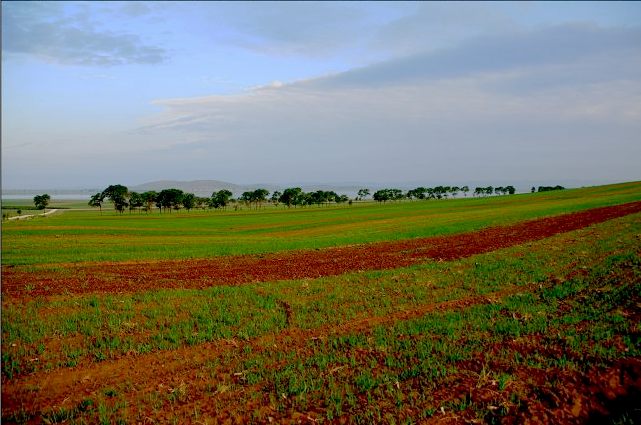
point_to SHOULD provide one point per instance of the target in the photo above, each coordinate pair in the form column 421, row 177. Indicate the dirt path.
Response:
column 236, row 270
column 23, row 217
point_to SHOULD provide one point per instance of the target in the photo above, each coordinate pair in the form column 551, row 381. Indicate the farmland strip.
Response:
column 140, row 377
column 202, row 273
column 166, row 367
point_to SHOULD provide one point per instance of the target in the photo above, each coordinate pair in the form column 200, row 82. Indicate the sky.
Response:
column 98, row 93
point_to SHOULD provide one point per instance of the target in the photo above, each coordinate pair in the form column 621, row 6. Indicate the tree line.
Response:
column 168, row 200
column 547, row 188
column 175, row 199
column 438, row 192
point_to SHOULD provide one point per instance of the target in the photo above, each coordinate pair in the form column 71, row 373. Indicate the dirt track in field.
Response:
column 236, row 270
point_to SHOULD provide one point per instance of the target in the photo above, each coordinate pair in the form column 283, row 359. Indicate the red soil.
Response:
column 68, row 386
column 575, row 397
column 235, row 270
column 581, row 398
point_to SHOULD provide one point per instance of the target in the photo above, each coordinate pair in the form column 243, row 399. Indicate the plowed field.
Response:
column 142, row 276
column 537, row 321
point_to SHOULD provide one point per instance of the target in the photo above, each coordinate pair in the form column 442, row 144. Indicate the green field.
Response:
column 10, row 207
column 548, row 330
column 79, row 236
column 253, row 310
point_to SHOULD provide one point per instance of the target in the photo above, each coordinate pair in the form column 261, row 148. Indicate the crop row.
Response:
column 76, row 236
column 87, row 331
column 478, row 362
column 392, row 372
column 65, row 331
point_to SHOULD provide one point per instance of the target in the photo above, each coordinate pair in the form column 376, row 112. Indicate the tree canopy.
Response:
column 169, row 198
column 41, row 201
column 384, row 195
column 220, row 199
column 189, row 201
column 118, row 195
column 549, row 188
column 291, row 196
column 97, row 200
column 176, row 199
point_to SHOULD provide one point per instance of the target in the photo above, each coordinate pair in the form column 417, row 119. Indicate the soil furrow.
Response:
column 144, row 373
column 235, row 270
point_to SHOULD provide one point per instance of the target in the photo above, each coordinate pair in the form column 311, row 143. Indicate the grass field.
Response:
column 11, row 206
column 548, row 330
column 77, row 236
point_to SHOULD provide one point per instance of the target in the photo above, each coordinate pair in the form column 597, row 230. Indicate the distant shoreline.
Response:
column 54, row 196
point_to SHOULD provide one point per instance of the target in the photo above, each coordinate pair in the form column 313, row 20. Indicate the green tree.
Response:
column 220, row 199
column 118, row 195
column 317, row 197
column 276, row 197
column 341, row 199
column 170, row 198
column 397, row 194
column 550, row 188
column 429, row 193
column 201, row 202
column 96, row 201
column 465, row 189
column 440, row 191
column 381, row 195
column 291, row 196
column 149, row 198
column 304, row 199
column 189, row 201
column 384, row 195
column 362, row 194
column 259, row 196
column 247, row 197
column 41, row 201
column 135, row 201
column 418, row 193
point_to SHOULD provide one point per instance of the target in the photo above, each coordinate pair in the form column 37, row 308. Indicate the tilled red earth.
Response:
column 235, row 270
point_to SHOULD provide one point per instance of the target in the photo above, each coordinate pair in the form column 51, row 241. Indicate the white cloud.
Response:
column 411, row 118
column 560, row 45
column 475, row 98
column 292, row 28
column 53, row 34
column 447, row 128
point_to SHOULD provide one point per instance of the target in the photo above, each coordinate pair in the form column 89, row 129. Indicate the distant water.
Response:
column 62, row 197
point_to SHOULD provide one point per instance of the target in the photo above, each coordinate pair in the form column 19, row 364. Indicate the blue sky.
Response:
column 126, row 92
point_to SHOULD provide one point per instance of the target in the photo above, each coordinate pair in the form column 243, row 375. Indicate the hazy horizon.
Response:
column 131, row 92
column 522, row 186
